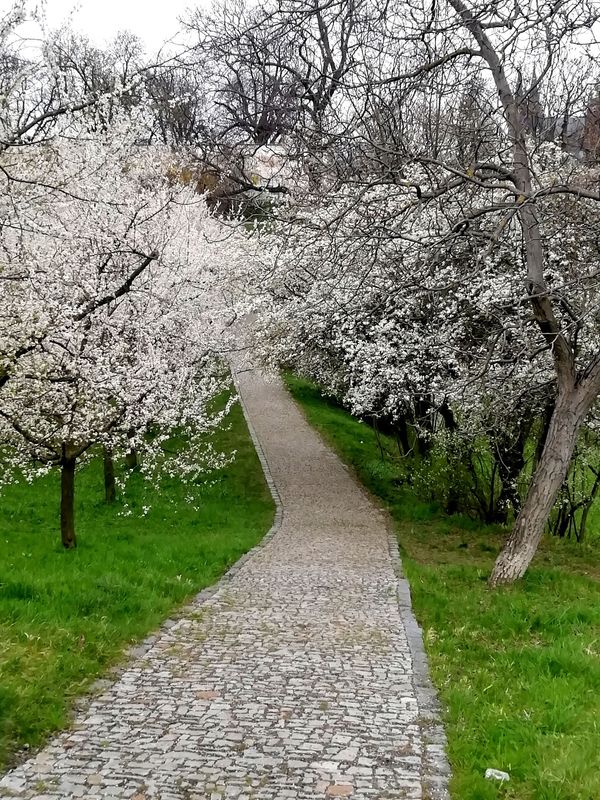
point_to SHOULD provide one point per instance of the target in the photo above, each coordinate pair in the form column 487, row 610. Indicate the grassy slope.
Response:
column 65, row 616
column 518, row 669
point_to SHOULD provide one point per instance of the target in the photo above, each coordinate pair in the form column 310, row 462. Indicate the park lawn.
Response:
column 517, row 669
column 65, row 617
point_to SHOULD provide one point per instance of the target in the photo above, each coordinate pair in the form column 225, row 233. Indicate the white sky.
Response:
column 153, row 21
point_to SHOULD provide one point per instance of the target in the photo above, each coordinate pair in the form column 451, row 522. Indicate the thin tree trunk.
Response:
column 586, row 508
column 378, row 437
column 545, row 486
column 110, row 491
column 493, row 510
column 562, row 523
column 402, row 436
column 131, row 459
column 67, row 500
column 510, row 456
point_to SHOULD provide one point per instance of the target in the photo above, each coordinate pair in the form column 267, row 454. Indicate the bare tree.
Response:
column 179, row 107
column 273, row 73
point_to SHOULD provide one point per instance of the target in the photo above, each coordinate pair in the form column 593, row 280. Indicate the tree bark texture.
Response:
column 569, row 413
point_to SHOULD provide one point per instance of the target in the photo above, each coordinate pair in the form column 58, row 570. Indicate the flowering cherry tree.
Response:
column 407, row 311
column 114, row 298
column 447, row 257
column 113, row 276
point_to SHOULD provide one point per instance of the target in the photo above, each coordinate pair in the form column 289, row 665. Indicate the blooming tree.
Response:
column 407, row 311
column 454, row 253
column 114, row 297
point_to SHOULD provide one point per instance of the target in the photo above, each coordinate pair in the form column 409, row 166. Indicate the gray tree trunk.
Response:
column 569, row 413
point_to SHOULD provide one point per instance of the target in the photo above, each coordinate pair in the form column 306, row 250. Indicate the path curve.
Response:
column 301, row 676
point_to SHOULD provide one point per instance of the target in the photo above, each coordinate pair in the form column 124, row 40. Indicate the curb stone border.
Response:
column 435, row 765
column 278, row 519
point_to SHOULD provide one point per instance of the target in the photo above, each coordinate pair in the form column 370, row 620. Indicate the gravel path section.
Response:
column 301, row 676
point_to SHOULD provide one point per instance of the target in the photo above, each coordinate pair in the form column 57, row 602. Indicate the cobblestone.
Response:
column 302, row 676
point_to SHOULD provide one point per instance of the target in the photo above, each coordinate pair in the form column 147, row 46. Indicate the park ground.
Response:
column 518, row 670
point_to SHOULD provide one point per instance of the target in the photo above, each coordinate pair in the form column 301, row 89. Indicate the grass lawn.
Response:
column 518, row 669
column 66, row 616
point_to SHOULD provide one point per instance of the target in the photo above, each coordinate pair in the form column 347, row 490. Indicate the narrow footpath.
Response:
column 302, row 676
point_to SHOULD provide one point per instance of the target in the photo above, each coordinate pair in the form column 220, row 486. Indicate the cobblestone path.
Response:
column 301, row 677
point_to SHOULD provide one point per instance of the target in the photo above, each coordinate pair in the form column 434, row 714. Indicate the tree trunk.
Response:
column 587, row 506
column 510, row 456
column 110, row 492
column 402, row 436
column 67, row 500
column 375, row 426
column 447, row 415
column 424, row 422
column 131, row 459
column 520, row 548
column 452, row 501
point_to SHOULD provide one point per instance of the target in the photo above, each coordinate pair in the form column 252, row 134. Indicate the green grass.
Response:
column 66, row 616
column 518, row 669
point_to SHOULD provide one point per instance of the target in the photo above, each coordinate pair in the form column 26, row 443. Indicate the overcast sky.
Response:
column 153, row 21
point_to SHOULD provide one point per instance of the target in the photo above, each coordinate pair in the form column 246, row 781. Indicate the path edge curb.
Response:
column 436, row 769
